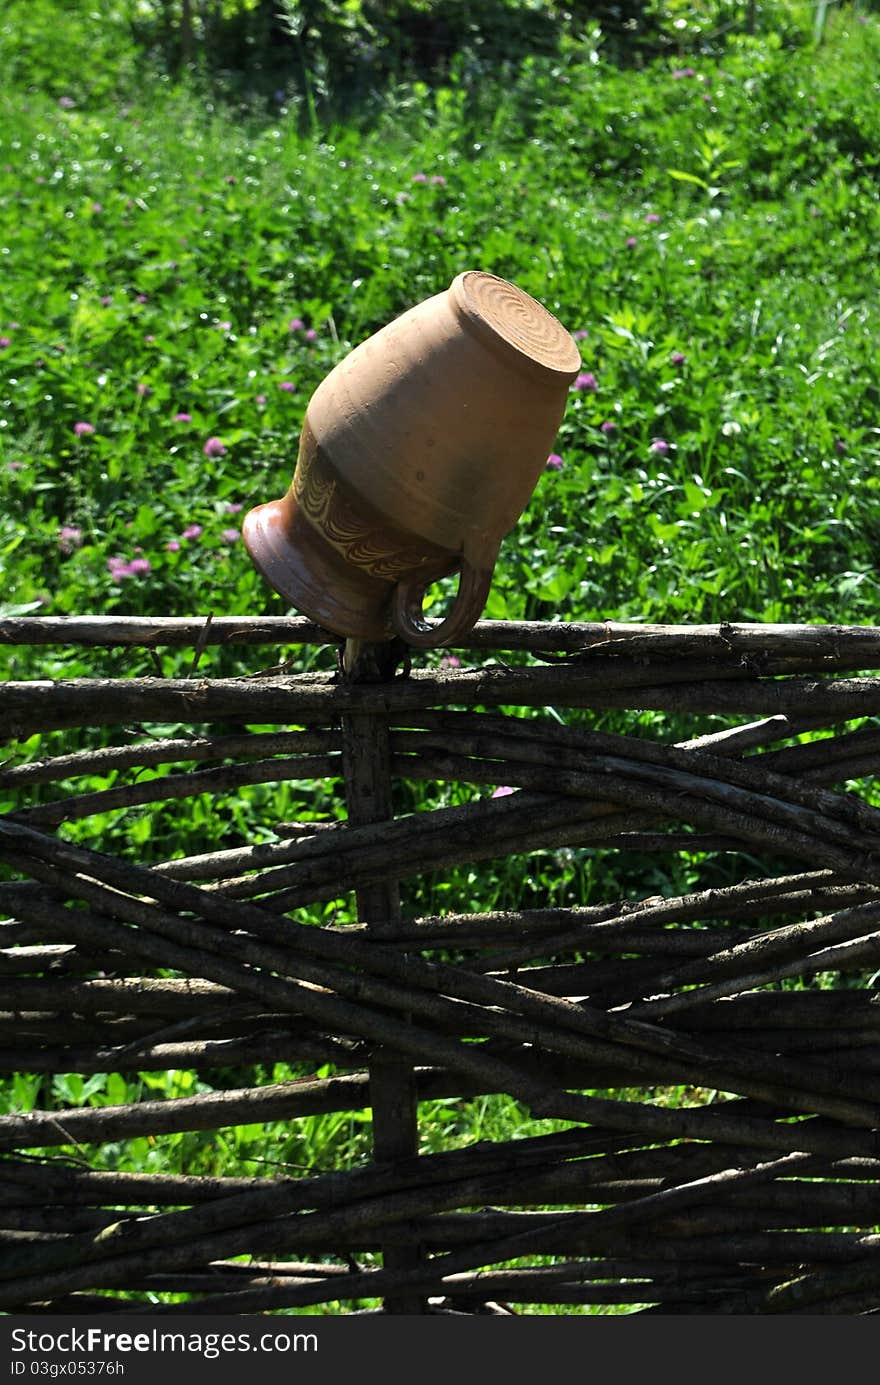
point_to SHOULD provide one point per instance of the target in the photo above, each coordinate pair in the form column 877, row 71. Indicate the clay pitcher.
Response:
column 419, row 452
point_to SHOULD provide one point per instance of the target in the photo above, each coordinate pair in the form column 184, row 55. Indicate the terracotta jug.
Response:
column 418, row 454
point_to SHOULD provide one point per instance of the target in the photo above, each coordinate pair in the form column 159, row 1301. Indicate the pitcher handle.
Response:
column 408, row 619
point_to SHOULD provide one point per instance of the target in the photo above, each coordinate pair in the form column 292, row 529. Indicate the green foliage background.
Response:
column 158, row 241
column 196, row 224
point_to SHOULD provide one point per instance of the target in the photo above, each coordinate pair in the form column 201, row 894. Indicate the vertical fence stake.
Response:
column 367, row 768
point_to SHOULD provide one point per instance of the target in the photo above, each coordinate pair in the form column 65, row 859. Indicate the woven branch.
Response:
column 178, row 786
column 599, row 1156
column 609, row 1220
column 257, row 745
column 505, row 827
column 601, row 925
column 477, row 1064
column 538, row 743
column 779, row 1206
column 188, row 1238
column 821, row 643
column 149, row 754
column 806, row 1086
column 617, row 927
column 794, row 949
column 529, row 821
column 546, row 1233
column 149, row 1054
column 551, row 1165
column 601, row 682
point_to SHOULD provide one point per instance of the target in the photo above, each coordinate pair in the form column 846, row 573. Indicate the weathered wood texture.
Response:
column 393, row 1094
column 753, row 1190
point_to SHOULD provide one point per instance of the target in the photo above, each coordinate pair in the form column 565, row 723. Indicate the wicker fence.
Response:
column 757, row 1194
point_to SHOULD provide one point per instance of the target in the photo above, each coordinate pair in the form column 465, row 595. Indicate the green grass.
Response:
column 706, row 223
column 156, row 253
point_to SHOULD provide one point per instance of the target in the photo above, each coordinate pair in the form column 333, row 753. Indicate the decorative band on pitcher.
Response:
column 375, row 548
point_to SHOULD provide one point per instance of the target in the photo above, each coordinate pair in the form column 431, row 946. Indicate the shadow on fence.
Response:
column 762, row 1198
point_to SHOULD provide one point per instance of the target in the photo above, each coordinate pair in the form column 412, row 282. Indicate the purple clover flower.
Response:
column 192, row 531
column 230, row 536
column 120, row 569
column 678, row 358
column 214, row 447
column 586, row 381
column 420, row 178
column 295, row 324
column 631, row 242
column 450, row 661
column 172, row 546
column 70, row 537
column 232, row 507
column 311, row 334
column 609, row 426
column 554, row 462
column 660, row 445
column 502, row 791
column 287, row 385
column 82, row 430
column 182, row 418
column 651, row 219
column 5, row 341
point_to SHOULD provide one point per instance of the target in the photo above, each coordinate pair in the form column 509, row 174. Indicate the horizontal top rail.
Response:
column 821, row 641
